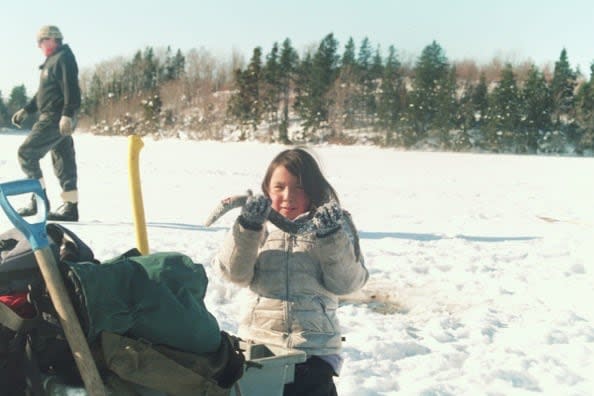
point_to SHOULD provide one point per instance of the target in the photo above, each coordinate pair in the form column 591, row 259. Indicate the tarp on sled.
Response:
column 157, row 297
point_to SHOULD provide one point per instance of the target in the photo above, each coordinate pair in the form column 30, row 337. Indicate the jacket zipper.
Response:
column 290, row 242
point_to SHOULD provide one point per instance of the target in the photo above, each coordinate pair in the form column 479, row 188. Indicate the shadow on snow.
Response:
column 423, row 237
column 436, row 237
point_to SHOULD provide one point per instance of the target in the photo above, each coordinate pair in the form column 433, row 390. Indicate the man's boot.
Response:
column 31, row 209
column 67, row 212
column 69, row 209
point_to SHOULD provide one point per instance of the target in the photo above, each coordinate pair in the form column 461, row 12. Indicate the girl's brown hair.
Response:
column 303, row 165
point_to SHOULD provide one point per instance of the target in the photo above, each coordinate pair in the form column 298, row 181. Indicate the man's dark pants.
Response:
column 44, row 137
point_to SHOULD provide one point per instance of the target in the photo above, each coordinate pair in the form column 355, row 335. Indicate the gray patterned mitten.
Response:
column 255, row 212
column 327, row 219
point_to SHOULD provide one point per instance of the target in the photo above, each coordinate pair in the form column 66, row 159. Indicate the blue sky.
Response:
column 466, row 29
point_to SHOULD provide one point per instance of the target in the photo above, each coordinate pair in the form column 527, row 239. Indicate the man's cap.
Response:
column 49, row 31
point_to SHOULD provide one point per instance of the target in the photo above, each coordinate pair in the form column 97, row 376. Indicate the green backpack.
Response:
column 146, row 318
column 157, row 297
column 135, row 364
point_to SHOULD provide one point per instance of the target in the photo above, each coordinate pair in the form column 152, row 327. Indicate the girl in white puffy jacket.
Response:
column 295, row 278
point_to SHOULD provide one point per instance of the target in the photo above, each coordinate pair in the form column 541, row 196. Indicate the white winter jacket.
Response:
column 295, row 281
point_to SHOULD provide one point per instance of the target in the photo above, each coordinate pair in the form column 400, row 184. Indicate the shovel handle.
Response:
column 34, row 232
column 37, row 236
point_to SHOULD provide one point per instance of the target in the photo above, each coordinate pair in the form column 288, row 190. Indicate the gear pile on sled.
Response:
column 132, row 325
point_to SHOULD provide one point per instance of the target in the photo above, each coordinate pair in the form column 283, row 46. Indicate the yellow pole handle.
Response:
column 134, row 147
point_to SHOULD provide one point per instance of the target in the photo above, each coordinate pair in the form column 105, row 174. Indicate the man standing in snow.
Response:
column 57, row 100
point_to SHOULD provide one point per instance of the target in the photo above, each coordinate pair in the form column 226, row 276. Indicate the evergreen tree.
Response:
column 93, row 98
column 431, row 89
column 536, row 97
column 364, row 58
column 585, row 113
column 365, row 101
column 392, row 96
column 562, row 90
column 245, row 105
column 448, row 105
column 317, row 75
column 17, row 99
column 150, row 78
column 141, row 75
column 465, row 114
column 287, row 68
column 179, row 65
column 271, row 87
column 471, row 112
column 173, row 67
column 504, row 111
column 377, row 66
column 473, row 105
column 480, row 101
column 4, row 116
column 130, row 80
column 167, row 69
column 345, row 90
column 376, row 72
column 348, row 56
column 303, row 101
column 117, row 88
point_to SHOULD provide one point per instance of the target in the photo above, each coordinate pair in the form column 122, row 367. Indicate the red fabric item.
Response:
column 19, row 304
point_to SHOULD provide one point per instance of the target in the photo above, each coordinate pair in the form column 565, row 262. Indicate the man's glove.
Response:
column 66, row 125
column 255, row 212
column 327, row 219
column 18, row 117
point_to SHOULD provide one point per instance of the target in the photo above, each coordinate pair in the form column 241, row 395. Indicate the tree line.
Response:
column 340, row 95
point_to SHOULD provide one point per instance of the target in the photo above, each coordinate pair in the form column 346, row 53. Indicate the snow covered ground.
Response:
column 486, row 261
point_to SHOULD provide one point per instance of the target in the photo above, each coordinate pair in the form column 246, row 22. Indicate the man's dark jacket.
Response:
column 59, row 92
